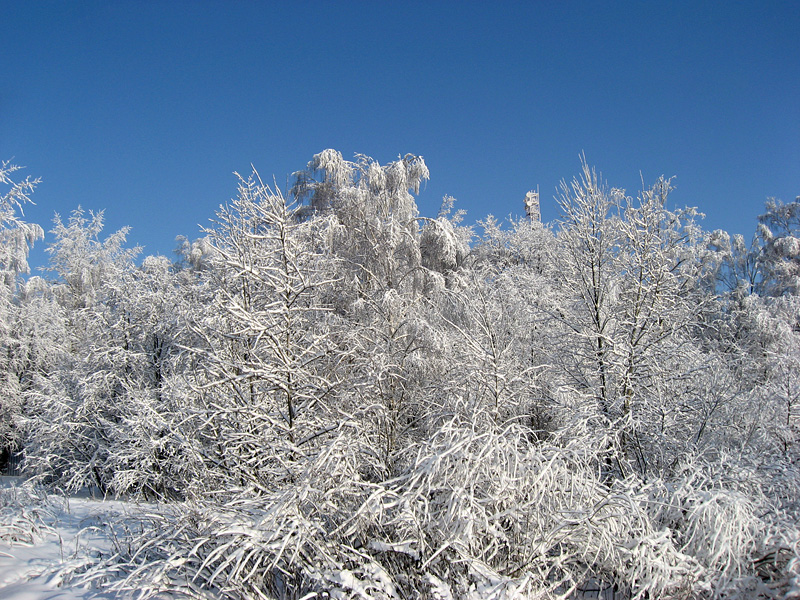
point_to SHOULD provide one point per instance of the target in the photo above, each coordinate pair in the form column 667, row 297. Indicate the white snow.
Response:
column 75, row 531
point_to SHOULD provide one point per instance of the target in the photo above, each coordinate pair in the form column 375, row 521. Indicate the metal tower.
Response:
column 532, row 206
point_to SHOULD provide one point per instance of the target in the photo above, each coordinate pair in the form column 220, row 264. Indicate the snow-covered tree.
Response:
column 383, row 286
column 72, row 408
column 779, row 231
column 261, row 388
column 376, row 228
column 770, row 265
column 492, row 324
column 738, row 266
column 341, row 397
column 16, row 238
column 630, row 270
column 152, row 451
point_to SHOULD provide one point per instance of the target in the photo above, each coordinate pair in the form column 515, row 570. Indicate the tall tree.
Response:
column 779, row 231
column 73, row 408
column 631, row 269
column 16, row 238
column 373, row 228
column 262, row 386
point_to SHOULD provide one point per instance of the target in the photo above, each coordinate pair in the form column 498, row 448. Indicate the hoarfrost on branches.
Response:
column 331, row 394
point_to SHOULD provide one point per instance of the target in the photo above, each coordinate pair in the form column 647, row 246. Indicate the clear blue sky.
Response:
column 146, row 109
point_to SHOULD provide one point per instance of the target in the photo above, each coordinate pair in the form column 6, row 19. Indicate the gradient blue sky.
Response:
column 145, row 109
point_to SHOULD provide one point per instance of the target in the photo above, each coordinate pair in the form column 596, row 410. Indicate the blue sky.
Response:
column 145, row 109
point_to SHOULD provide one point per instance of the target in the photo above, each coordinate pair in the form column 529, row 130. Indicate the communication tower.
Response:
column 532, row 206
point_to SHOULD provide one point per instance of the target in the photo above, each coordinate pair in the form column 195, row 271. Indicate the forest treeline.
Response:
column 329, row 393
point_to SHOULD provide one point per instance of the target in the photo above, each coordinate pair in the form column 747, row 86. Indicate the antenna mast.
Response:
column 532, row 209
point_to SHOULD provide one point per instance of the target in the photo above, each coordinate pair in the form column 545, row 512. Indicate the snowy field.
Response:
column 46, row 539
column 49, row 543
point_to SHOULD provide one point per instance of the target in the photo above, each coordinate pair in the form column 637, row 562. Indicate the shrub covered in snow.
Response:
column 338, row 398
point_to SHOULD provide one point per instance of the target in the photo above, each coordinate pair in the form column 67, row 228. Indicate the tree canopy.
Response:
column 332, row 393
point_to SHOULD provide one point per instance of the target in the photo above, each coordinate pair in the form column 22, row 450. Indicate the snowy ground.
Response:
column 74, row 530
column 72, row 533
column 44, row 539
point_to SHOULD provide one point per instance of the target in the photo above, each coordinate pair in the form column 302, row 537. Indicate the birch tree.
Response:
column 779, row 230
column 382, row 289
